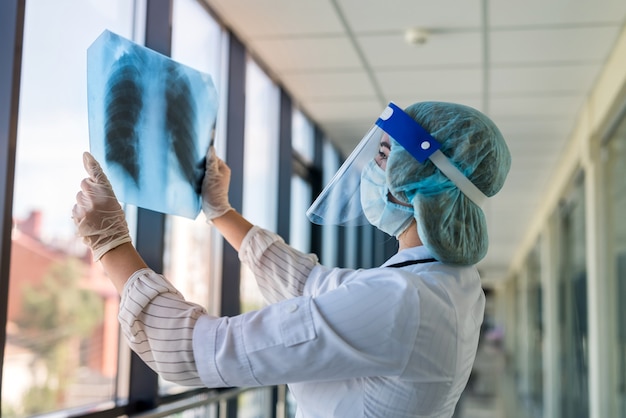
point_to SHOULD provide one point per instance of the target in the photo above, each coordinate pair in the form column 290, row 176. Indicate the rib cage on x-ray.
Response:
column 124, row 104
column 124, row 101
column 180, row 114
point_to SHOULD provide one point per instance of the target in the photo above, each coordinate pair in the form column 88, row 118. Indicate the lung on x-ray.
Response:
column 151, row 122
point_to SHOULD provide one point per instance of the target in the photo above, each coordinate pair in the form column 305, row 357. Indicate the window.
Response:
column 535, row 328
column 615, row 175
column 62, row 333
column 260, row 191
column 572, row 291
column 302, row 136
column 302, row 141
column 260, row 195
column 330, row 233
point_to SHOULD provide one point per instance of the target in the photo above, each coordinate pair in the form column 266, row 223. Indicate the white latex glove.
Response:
column 97, row 214
column 215, row 187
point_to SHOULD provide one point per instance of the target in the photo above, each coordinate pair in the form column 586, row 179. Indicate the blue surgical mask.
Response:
column 385, row 215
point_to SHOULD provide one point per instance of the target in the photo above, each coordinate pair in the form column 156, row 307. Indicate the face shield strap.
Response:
column 422, row 145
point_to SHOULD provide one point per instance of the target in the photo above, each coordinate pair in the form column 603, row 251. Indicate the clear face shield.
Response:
column 340, row 202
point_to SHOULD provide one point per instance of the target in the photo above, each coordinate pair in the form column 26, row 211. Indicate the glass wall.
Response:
column 535, row 330
column 260, row 194
column 572, row 300
column 62, row 336
column 303, row 144
column 331, row 248
column 615, row 175
column 260, row 191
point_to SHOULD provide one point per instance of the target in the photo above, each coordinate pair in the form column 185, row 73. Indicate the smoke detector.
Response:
column 416, row 36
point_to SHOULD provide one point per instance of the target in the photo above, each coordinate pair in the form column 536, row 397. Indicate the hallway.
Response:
column 491, row 390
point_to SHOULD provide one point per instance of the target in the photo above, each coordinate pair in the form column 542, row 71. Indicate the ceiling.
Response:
column 529, row 65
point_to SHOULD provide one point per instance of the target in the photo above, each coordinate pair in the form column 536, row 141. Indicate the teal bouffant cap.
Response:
column 449, row 224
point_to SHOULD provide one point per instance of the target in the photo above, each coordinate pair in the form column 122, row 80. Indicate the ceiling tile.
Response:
column 344, row 110
column 556, row 12
column 584, row 45
column 537, row 106
column 384, row 52
column 329, row 85
column 307, row 54
column 431, row 84
column 375, row 16
column 254, row 19
column 541, row 80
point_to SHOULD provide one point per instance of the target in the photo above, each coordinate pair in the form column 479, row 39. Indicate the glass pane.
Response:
column 255, row 403
column 260, row 187
column 615, row 175
column 300, row 226
column 303, row 136
column 192, row 248
column 573, row 307
column 302, row 141
column 535, row 329
column 260, row 194
column 330, row 233
column 62, row 333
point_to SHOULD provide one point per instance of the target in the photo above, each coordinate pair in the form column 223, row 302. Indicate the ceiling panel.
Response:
column 254, row 19
column 430, row 84
column 537, row 106
column 556, row 12
column 377, row 16
column 541, row 80
column 578, row 45
column 384, row 52
column 345, row 110
column 330, row 85
column 306, row 54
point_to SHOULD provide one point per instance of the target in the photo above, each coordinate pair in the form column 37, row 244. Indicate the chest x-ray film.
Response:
column 151, row 121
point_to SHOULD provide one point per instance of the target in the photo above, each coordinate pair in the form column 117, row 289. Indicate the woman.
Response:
column 393, row 341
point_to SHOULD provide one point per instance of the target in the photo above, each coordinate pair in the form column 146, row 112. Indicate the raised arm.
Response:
column 100, row 221
column 215, row 204
column 147, row 298
column 279, row 269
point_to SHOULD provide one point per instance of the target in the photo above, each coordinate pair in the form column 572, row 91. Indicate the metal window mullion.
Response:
column 235, row 124
column 285, row 167
column 315, row 179
column 235, row 128
column 285, row 173
column 11, row 37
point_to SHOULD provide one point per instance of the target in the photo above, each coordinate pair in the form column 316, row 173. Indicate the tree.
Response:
column 56, row 314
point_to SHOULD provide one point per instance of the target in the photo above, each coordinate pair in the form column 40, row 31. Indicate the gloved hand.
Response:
column 97, row 213
column 215, row 187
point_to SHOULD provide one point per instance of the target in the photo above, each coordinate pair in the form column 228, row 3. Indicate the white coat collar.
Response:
column 414, row 253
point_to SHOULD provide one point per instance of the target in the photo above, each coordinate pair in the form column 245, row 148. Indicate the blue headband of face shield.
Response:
column 422, row 146
column 410, row 134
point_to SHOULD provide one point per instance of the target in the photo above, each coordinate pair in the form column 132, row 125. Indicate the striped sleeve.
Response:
column 280, row 270
column 158, row 324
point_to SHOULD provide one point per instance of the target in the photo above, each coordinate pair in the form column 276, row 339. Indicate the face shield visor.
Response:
column 339, row 203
